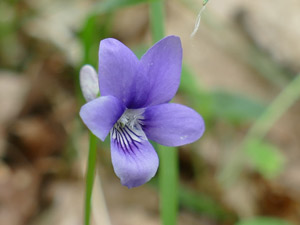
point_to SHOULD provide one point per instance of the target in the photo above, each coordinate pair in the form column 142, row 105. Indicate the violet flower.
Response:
column 134, row 107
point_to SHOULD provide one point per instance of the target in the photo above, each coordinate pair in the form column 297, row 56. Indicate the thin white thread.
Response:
column 198, row 20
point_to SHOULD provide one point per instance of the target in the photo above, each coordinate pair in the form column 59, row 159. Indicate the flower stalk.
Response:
column 168, row 184
column 90, row 175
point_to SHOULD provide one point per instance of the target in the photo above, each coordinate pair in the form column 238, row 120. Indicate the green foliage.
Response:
column 96, row 27
column 203, row 204
column 266, row 67
column 112, row 5
column 157, row 20
column 288, row 96
column 200, row 99
column 235, row 108
column 265, row 157
column 197, row 202
column 231, row 107
column 263, row 221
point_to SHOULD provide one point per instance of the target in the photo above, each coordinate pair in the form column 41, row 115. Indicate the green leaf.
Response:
column 232, row 107
column 203, row 204
column 235, row 107
column 200, row 99
column 266, row 158
column 263, row 221
column 189, row 83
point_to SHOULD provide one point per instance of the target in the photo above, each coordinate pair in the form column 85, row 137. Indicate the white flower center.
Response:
column 128, row 131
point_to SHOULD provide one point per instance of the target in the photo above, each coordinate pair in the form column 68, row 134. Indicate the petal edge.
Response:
column 173, row 124
column 137, row 167
column 162, row 64
column 119, row 74
column 100, row 114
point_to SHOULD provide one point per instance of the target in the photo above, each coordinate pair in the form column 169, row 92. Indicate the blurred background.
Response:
column 244, row 54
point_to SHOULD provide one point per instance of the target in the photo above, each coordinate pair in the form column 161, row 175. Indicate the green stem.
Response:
column 276, row 109
column 157, row 20
column 168, row 184
column 87, row 38
column 90, row 174
column 168, row 171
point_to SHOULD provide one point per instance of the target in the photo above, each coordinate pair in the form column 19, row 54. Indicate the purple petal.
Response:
column 101, row 114
column 172, row 124
column 134, row 164
column 89, row 82
column 162, row 64
column 119, row 76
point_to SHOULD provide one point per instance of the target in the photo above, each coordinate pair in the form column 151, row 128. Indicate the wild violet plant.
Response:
column 134, row 107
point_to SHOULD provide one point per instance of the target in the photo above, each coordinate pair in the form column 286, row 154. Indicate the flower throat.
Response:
column 127, row 130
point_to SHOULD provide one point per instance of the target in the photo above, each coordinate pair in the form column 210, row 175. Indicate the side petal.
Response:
column 163, row 64
column 172, row 124
column 100, row 115
column 89, row 82
column 118, row 74
column 134, row 162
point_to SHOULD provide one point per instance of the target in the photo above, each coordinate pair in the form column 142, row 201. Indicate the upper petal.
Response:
column 89, row 82
column 172, row 124
column 100, row 114
column 118, row 74
column 134, row 159
column 162, row 64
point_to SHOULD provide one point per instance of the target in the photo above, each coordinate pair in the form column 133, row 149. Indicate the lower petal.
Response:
column 135, row 163
column 172, row 124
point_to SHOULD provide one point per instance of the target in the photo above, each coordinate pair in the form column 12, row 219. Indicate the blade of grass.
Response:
column 87, row 37
column 157, row 20
column 277, row 108
column 90, row 175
